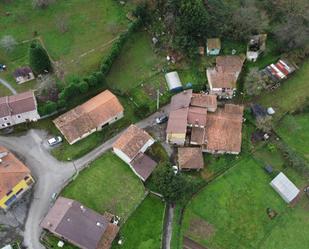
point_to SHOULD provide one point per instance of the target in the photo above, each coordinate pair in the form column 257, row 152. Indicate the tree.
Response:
column 246, row 21
column 92, row 80
column 174, row 188
column 264, row 123
column 38, row 58
column 255, row 82
column 8, row 43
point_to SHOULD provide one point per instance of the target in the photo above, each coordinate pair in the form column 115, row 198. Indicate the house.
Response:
column 177, row 121
column 284, row 187
column 223, row 133
column 190, row 158
column 213, row 46
column 130, row 147
column 19, row 108
column 15, row 178
column 222, row 79
column 173, row 81
column 23, row 74
column 188, row 109
column 256, row 46
column 205, row 101
column 71, row 221
column 98, row 112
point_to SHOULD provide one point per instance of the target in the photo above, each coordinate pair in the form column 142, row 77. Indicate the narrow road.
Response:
column 51, row 175
column 7, row 85
column 168, row 228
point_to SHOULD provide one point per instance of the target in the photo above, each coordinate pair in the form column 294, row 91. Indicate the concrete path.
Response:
column 168, row 228
column 51, row 175
column 8, row 85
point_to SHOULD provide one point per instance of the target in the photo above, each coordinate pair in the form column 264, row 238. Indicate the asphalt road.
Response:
column 8, row 85
column 50, row 174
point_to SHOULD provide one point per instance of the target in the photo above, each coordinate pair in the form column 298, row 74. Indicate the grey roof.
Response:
column 74, row 222
column 143, row 165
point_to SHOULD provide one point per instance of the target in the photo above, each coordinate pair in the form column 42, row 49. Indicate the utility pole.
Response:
column 158, row 99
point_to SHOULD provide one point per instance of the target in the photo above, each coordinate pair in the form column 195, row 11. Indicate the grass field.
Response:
column 144, row 227
column 107, row 185
column 136, row 63
column 90, row 25
column 294, row 130
column 231, row 211
column 291, row 95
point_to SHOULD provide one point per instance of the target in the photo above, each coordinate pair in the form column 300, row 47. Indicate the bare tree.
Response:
column 62, row 23
column 255, row 82
column 264, row 123
column 8, row 43
column 246, row 21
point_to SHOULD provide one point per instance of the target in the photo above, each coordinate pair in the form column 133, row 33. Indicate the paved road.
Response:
column 8, row 85
column 168, row 228
column 50, row 174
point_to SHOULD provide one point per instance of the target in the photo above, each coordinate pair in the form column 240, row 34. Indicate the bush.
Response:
column 83, row 87
column 48, row 108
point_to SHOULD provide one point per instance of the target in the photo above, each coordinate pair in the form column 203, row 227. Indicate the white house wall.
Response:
column 20, row 118
column 122, row 156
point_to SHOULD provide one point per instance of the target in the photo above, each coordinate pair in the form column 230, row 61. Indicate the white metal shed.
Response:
column 284, row 187
column 173, row 81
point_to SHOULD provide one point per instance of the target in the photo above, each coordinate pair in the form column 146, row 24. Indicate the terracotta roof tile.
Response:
column 181, row 100
column 197, row 136
column 226, row 72
column 197, row 116
column 132, row 141
column 190, row 158
column 88, row 116
column 223, row 132
column 204, row 100
column 12, row 171
column 177, row 122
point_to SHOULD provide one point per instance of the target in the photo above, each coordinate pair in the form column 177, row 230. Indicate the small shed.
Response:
column 213, row 46
column 284, row 187
column 23, row 74
column 173, row 81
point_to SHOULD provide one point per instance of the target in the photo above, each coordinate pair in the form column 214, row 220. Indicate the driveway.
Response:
column 50, row 174
column 8, row 85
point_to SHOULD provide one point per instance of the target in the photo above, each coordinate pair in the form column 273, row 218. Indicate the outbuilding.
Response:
column 284, row 187
column 173, row 81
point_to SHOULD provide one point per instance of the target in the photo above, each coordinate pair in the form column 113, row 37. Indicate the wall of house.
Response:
column 147, row 145
column 110, row 121
column 228, row 93
column 213, row 51
column 21, row 187
column 176, row 138
column 220, row 152
column 122, row 156
column 19, row 118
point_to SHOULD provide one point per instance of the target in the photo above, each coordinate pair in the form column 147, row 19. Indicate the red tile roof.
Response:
column 204, row 100
column 197, row 116
column 190, row 158
column 12, row 171
column 132, row 141
column 17, row 104
column 88, row 116
column 177, row 122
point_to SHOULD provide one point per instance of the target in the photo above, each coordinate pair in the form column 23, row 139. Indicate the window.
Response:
column 26, row 177
column 19, row 191
column 18, row 116
column 8, row 193
column 5, row 119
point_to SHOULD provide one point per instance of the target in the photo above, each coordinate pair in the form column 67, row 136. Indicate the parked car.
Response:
column 54, row 141
column 162, row 119
column 2, row 67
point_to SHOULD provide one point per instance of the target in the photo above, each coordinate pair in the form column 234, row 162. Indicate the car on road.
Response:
column 54, row 141
column 162, row 119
